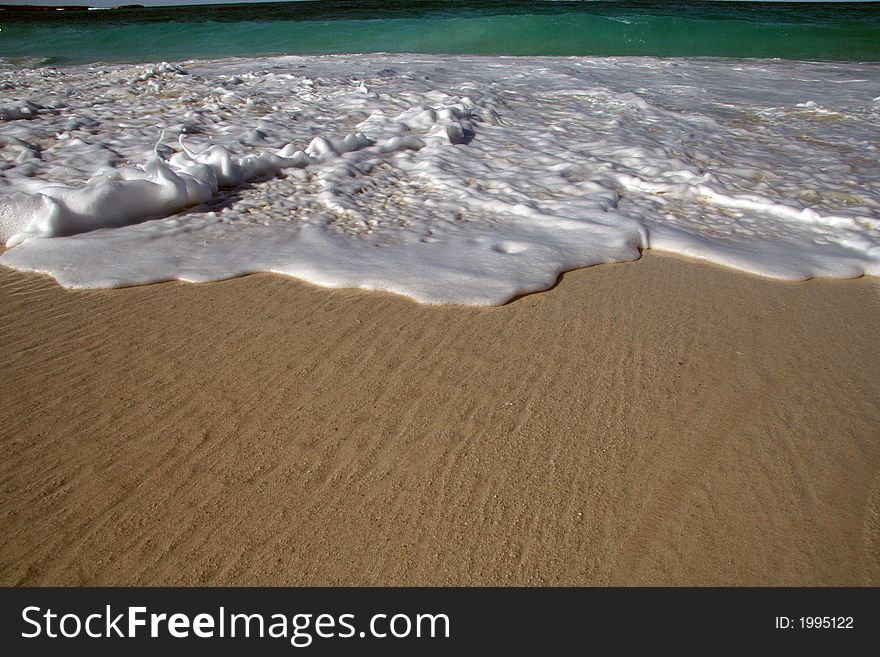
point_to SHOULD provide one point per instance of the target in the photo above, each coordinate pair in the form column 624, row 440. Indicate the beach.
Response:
column 658, row 422
column 425, row 295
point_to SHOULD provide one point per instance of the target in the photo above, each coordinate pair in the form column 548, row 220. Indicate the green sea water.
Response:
column 823, row 31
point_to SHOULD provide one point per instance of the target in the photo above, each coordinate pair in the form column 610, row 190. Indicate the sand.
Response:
column 658, row 422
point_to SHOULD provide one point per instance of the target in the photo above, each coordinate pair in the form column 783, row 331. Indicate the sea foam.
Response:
column 447, row 179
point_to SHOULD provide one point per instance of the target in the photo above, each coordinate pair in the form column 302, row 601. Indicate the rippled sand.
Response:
column 655, row 422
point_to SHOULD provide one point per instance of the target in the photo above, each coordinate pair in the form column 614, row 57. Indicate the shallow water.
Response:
column 724, row 29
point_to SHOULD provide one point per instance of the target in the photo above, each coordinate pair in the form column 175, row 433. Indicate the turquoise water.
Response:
column 830, row 31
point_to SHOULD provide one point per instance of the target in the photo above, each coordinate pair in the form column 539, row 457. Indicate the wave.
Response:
column 447, row 179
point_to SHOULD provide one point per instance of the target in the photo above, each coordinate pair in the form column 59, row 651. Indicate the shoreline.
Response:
column 662, row 421
column 294, row 168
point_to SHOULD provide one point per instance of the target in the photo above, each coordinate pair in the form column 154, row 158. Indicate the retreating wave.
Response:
column 447, row 179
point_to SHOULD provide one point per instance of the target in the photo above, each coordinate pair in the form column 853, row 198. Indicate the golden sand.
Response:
column 657, row 422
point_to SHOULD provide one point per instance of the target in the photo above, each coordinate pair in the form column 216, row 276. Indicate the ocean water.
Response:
column 139, row 146
column 826, row 31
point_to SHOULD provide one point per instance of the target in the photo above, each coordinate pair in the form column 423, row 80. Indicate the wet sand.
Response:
column 658, row 422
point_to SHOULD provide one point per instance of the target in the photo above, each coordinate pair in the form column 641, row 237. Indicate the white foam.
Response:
column 447, row 179
column 24, row 109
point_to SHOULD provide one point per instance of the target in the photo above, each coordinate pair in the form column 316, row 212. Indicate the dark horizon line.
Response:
column 24, row 8
column 184, row 3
